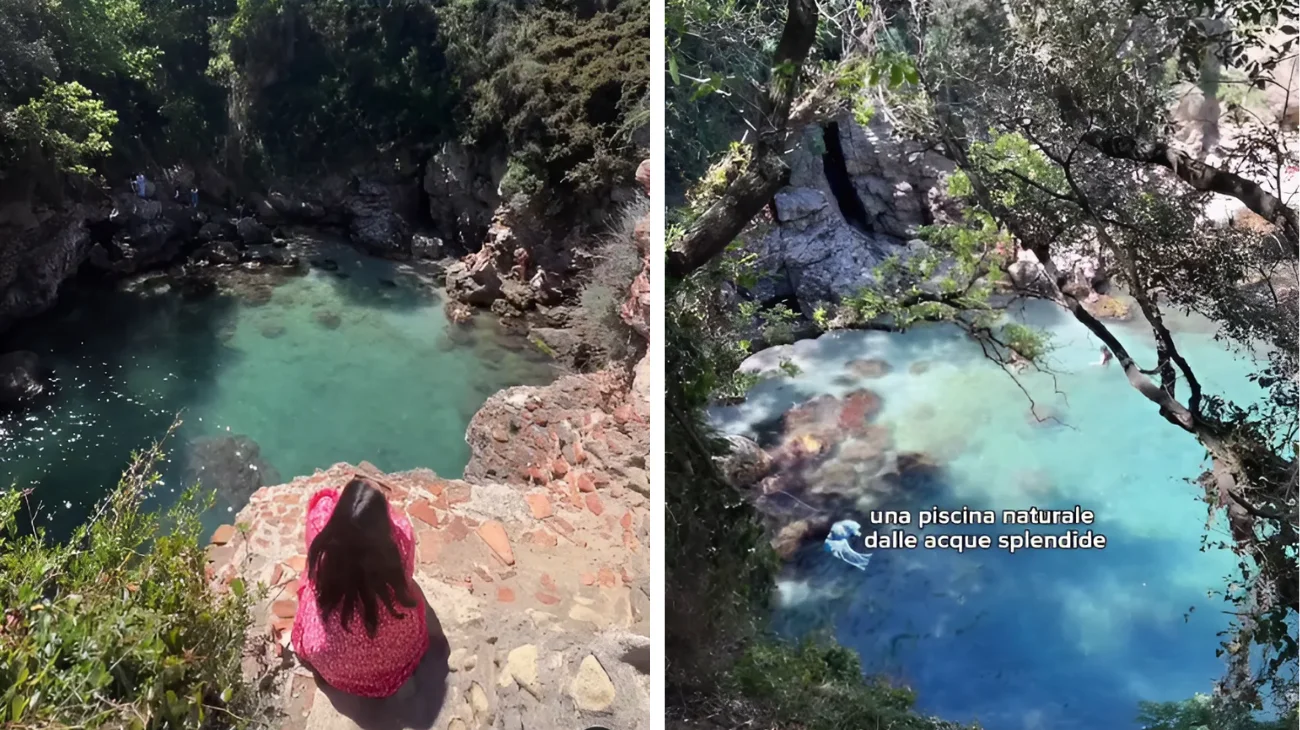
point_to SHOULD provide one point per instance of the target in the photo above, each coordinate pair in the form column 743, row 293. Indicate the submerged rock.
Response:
column 746, row 464
column 273, row 330
column 793, row 536
column 329, row 320
column 22, row 378
column 232, row 465
column 870, row 368
column 1104, row 306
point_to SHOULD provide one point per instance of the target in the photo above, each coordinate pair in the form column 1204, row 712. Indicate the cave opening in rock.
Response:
column 837, row 175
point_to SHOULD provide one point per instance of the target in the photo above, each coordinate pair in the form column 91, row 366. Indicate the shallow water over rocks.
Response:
column 1052, row 639
column 275, row 373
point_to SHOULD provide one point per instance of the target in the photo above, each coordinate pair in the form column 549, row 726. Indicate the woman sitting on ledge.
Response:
column 360, row 623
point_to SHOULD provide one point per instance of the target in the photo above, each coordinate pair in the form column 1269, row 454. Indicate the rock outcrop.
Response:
column 579, row 435
column 462, row 193
column 845, row 212
column 230, row 464
column 635, row 311
column 522, row 264
column 22, row 379
column 539, row 608
column 37, row 257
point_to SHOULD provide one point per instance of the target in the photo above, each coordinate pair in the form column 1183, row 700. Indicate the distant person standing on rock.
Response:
column 360, row 622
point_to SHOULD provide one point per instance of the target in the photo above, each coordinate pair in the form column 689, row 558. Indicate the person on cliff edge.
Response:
column 360, row 622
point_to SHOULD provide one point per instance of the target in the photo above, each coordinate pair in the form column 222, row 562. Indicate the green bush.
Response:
column 117, row 627
column 819, row 684
column 518, row 180
column 1202, row 713
column 600, row 305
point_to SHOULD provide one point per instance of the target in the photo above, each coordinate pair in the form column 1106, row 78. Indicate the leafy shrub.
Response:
column 563, row 84
column 518, row 180
column 70, row 124
column 600, row 304
column 818, row 684
column 118, row 628
column 1201, row 713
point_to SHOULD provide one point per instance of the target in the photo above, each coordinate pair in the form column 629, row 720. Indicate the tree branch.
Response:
column 1200, row 176
column 766, row 172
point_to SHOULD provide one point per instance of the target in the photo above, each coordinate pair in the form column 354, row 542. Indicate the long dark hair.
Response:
column 354, row 562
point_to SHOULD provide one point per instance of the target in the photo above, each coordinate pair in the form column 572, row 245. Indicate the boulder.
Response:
column 746, row 464
column 424, row 246
column 474, row 281
column 270, row 255
column 218, row 252
column 795, row 203
column 35, row 264
column 252, row 232
column 22, row 378
column 230, row 464
column 374, row 223
column 210, row 231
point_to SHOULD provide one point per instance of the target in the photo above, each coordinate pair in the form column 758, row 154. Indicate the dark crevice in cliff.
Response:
column 837, row 175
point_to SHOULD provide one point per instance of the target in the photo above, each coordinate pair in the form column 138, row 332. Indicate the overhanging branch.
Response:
column 1200, row 176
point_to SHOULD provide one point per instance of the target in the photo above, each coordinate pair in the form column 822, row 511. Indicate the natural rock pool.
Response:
column 355, row 360
column 1051, row 639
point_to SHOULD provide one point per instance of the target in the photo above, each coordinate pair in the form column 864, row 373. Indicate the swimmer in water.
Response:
column 1105, row 356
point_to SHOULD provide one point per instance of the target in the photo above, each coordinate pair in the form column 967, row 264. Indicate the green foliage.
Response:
column 133, row 65
column 1201, row 713
column 519, row 180
column 332, row 82
column 118, row 628
column 562, row 88
column 67, row 121
column 599, row 320
column 778, row 324
column 819, row 685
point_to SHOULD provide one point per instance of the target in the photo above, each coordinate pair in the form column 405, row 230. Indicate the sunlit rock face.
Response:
column 856, row 197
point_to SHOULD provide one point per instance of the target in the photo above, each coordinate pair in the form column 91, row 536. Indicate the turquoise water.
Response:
column 347, row 365
column 1050, row 639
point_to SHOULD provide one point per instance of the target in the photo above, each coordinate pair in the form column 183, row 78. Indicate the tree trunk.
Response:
column 728, row 215
column 766, row 173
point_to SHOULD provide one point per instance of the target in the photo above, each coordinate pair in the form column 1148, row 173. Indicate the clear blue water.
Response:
column 394, row 383
column 1050, row 639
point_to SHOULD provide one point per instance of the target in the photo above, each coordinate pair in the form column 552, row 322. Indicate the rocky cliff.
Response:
column 535, row 567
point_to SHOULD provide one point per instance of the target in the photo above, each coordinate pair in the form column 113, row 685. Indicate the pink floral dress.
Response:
column 347, row 658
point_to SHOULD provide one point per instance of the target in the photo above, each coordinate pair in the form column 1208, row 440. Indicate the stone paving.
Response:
column 540, row 601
